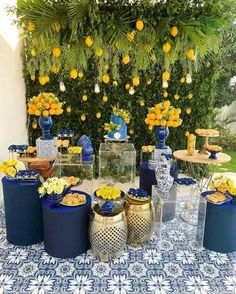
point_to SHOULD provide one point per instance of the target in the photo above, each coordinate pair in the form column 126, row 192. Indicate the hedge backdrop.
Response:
column 210, row 73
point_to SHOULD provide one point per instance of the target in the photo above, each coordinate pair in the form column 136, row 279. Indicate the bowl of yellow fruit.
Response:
column 213, row 149
column 109, row 193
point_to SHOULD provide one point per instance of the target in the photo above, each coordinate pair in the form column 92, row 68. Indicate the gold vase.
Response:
column 108, row 234
column 140, row 220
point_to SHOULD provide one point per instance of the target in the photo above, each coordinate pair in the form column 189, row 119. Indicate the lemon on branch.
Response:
column 33, row 77
column 98, row 115
column 56, row 52
column 174, row 31
column 99, row 52
column 89, row 41
column 105, row 98
column 125, row 59
column 73, row 73
column 139, row 25
column 83, row 117
column 165, row 76
column 55, row 68
column 85, row 98
column 130, row 36
column 30, row 26
column 80, row 74
column 33, row 52
column 190, row 54
column 106, row 79
column 166, row 47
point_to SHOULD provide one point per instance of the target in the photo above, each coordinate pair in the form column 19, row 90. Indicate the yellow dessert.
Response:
column 207, row 132
column 215, row 148
column 31, row 149
column 191, row 144
column 72, row 181
column 217, row 197
column 147, row 149
column 73, row 199
column 108, row 193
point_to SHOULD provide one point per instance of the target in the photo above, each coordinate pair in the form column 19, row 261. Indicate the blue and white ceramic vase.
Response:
column 122, row 132
column 45, row 123
column 55, row 199
column 161, row 133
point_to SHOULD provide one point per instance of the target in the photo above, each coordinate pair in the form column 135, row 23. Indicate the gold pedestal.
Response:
column 140, row 219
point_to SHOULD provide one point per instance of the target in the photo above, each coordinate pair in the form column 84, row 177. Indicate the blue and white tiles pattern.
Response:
column 178, row 268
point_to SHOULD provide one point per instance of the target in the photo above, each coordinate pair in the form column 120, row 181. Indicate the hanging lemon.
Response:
column 56, row 52
column 153, row 57
column 186, row 133
column 99, row 52
column 149, row 81
column 117, row 44
column 147, row 47
column 188, row 111
column 106, row 66
column 85, row 98
column 125, row 59
column 33, row 52
column 32, row 77
column 136, row 81
column 127, row 86
column 106, row 79
column 43, row 80
column 190, row 54
column 176, row 96
column 55, row 68
column 142, row 103
column 165, row 94
column 73, row 73
column 166, row 47
column 174, row 31
column 139, row 25
column 30, row 26
column 166, row 76
column 190, row 95
column 105, row 98
column 34, row 125
column 80, row 74
column 56, row 27
column 115, row 83
column 83, row 117
column 68, row 109
column 89, row 41
column 98, row 115
column 130, row 36
column 150, row 128
column 182, row 80
column 131, row 132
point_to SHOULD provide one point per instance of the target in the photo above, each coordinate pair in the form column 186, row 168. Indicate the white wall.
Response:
column 12, row 88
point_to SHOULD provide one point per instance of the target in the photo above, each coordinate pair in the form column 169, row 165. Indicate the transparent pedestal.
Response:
column 68, row 165
column 117, row 165
column 173, row 228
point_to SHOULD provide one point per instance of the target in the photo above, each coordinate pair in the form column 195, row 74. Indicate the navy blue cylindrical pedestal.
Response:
column 220, row 228
column 66, row 228
column 23, row 212
column 147, row 177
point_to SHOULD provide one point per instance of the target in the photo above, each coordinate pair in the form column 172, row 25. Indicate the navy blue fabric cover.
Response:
column 66, row 228
column 220, row 228
column 147, row 177
column 23, row 212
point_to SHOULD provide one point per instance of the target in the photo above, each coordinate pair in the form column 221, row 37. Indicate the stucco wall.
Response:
column 12, row 88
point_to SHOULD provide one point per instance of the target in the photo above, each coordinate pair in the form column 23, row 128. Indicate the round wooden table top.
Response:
column 35, row 159
column 201, row 158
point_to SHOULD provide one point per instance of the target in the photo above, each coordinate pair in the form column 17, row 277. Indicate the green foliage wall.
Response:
column 204, row 85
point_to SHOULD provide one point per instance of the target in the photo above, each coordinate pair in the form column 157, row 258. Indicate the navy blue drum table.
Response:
column 66, row 228
column 220, row 227
column 23, row 212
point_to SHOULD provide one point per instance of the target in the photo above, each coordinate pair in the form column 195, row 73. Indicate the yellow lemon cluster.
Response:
column 163, row 114
column 44, row 104
column 75, row 149
column 108, row 193
column 223, row 184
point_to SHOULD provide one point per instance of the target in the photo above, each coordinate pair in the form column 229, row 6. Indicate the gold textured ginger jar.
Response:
column 108, row 233
column 140, row 221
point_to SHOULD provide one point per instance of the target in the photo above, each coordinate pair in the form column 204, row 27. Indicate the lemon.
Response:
column 33, row 52
column 176, row 96
column 190, row 54
column 186, row 133
column 165, row 94
column 30, row 26
column 83, row 117
column 136, row 81
column 130, row 36
column 139, row 25
column 131, row 132
column 89, row 41
column 115, row 83
column 55, row 68
column 32, row 77
column 80, row 74
column 149, row 81
column 42, row 80
column 166, row 47
column 142, row 103
column 56, row 27
column 56, row 52
column 99, row 52
column 127, row 86
column 34, row 125
column 98, row 115
column 166, row 76
column 68, row 109
column 105, row 98
column 190, row 95
column 73, row 73
column 117, row 44
column 147, row 47
column 125, row 59
column 106, row 79
column 153, row 57
column 182, row 80
column 85, row 98
column 188, row 110
column 174, row 31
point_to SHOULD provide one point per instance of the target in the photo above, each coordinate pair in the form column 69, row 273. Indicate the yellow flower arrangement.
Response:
column 75, row 149
column 11, row 167
column 163, row 114
column 53, row 186
column 108, row 193
column 44, row 104
column 223, row 184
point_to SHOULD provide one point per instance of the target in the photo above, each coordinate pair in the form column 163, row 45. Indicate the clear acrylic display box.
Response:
column 68, row 165
column 117, row 165
column 173, row 224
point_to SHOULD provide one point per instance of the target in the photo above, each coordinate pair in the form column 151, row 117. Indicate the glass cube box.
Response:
column 175, row 227
column 117, row 165
column 68, row 165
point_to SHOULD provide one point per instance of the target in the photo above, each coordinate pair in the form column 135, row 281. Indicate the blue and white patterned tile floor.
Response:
column 178, row 268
